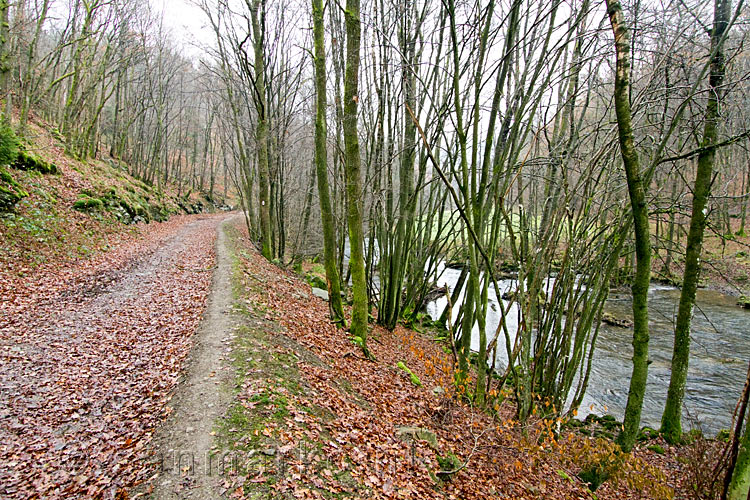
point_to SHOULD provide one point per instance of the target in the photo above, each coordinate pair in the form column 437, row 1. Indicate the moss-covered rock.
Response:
column 609, row 422
column 449, row 464
column 158, row 213
column 141, row 213
column 9, row 197
column 88, row 204
column 9, row 145
column 8, row 179
column 594, row 476
column 409, row 433
column 599, row 433
column 647, row 433
column 656, row 449
column 11, row 192
column 191, row 208
column 27, row 161
column 316, row 281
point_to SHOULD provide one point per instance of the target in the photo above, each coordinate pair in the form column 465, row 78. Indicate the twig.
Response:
column 352, row 354
column 468, row 459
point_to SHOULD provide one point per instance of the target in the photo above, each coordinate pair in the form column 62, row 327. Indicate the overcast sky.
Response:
column 187, row 23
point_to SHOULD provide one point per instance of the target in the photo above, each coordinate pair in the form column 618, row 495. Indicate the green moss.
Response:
column 88, row 204
column 691, row 436
column 594, row 477
column 9, row 197
column 7, row 178
column 9, row 145
column 11, row 192
column 604, row 435
column 647, row 433
column 316, row 281
column 656, row 449
column 448, row 465
column 27, row 161
column 414, row 379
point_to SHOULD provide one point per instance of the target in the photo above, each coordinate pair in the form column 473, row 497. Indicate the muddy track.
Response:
column 187, row 467
column 86, row 371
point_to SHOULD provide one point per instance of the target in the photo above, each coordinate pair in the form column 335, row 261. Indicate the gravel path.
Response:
column 89, row 362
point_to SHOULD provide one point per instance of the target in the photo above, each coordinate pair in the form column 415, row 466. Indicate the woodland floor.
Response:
column 121, row 378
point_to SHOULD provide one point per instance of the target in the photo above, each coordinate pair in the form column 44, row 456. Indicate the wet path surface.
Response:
column 187, row 466
column 87, row 366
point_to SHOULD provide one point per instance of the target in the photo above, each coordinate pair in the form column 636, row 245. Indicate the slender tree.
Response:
column 352, row 174
column 257, row 15
column 5, row 63
column 737, row 479
column 321, row 167
column 639, row 207
column 671, row 421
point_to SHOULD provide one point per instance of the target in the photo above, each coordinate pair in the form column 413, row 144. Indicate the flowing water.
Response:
column 719, row 353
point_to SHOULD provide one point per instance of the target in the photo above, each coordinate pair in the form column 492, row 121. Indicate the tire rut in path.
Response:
column 184, row 441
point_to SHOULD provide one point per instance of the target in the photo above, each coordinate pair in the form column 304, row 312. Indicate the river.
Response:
column 719, row 353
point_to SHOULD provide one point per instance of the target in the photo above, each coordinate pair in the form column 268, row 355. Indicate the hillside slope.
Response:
column 70, row 209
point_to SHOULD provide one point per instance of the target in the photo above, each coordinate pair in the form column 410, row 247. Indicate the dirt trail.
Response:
column 188, row 470
column 87, row 366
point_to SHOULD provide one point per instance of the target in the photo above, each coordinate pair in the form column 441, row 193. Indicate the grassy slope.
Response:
column 46, row 230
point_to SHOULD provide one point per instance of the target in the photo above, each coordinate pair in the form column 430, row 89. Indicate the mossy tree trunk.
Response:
column 671, row 421
column 5, row 60
column 637, row 194
column 28, row 77
column 740, row 485
column 737, row 478
column 352, row 169
column 321, row 168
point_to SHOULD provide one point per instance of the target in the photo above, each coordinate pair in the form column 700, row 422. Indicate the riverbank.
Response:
column 725, row 263
column 314, row 419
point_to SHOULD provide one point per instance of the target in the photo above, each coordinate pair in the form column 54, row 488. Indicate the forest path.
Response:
column 184, row 442
column 91, row 353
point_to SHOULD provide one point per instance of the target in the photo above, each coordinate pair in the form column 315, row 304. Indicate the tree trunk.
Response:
column 740, row 484
column 321, row 168
column 352, row 174
column 636, row 191
column 261, row 131
column 5, row 65
column 736, row 478
column 671, row 421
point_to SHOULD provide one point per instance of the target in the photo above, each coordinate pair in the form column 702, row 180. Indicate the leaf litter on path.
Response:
column 90, row 354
